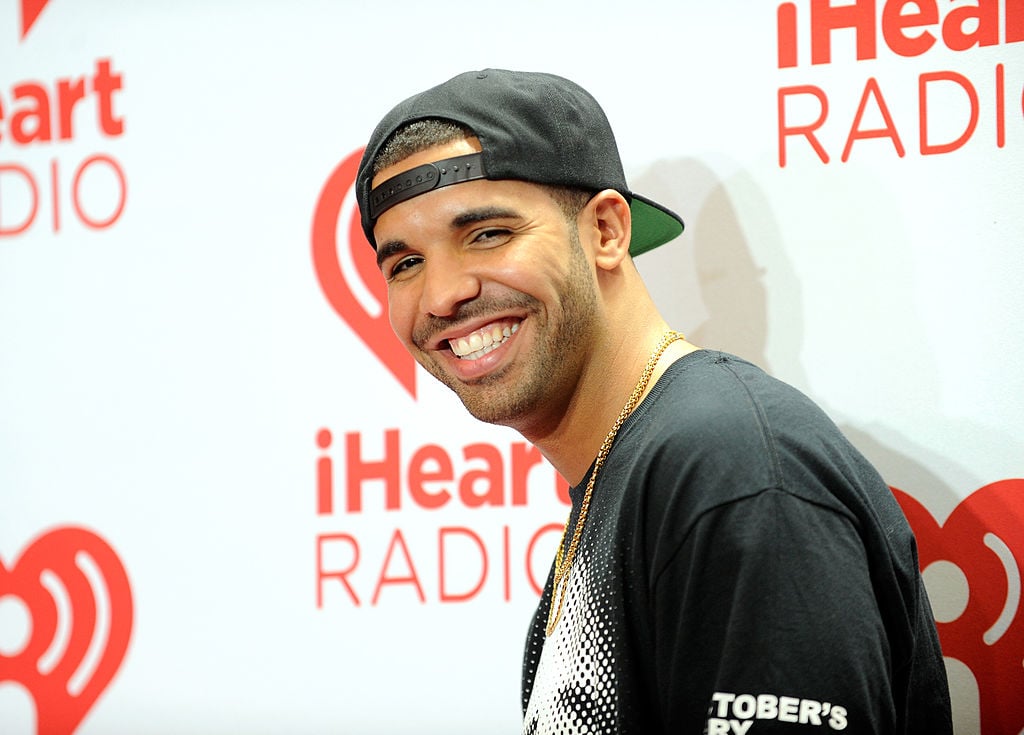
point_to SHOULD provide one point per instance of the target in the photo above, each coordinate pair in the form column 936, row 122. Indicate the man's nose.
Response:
column 448, row 283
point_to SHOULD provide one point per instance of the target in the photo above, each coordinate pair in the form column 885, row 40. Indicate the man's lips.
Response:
column 477, row 343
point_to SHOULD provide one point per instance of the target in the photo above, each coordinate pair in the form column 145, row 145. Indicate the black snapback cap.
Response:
column 532, row 127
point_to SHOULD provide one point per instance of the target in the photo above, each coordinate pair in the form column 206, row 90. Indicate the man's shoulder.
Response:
column 712, row 384
column 717, row 402
column 721, row 424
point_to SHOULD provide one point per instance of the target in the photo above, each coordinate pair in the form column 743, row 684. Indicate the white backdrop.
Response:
column 175, row 338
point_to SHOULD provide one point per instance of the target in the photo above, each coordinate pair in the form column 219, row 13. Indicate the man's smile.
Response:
column 479, row 342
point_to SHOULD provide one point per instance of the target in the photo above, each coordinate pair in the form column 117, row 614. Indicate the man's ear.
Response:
column 608, row 218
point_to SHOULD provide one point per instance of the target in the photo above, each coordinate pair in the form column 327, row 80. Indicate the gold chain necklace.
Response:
column 563, row 564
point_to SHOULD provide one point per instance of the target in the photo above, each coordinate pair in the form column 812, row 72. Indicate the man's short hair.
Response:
column 420, row 135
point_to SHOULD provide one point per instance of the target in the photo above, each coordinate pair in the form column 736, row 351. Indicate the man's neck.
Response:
column 572, row 443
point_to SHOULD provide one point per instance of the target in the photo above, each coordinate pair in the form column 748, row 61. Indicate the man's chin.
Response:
column 493, row 406
column 495, row 398
column 495, row 403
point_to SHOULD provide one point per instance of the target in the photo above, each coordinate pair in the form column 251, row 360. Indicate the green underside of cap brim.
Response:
column 652, row 226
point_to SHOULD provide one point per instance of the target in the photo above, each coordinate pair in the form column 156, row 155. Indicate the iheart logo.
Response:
column 79, row 603
column 980, row 549
column 347, row 270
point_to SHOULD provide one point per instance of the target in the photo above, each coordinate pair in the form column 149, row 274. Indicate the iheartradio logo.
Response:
column 977, row 559
column 69, row 595
column 346, row 268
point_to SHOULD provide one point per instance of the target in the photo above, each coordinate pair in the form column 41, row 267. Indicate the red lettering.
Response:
column 339, row 574
column 79, row 191
column 430, row 463
column 895, row 20
column 76, row 199
column 806, row 130
column 785, row 21
column 34, row 120
column 490, row 477
column 55, row 195
column 398, row 542
column 37, row 114
column 1000, row 107
column 972, row 96
column 507, row 565
column 984, row 17
column 964, row 26
column 478, row 486
column 105, row 84
column 360, row 471
column 33, row 190
column 443, row 593
column 826, row 18
column 324, row 476
column 464, row 557
column 430, row 474
column 68, row 95
column 889, row 131
column 1014, row 21
column 524, row 457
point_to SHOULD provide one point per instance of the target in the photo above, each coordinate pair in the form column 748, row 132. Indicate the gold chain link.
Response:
column 564, row 565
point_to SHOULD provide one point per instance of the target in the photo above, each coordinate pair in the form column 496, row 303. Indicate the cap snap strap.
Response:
column 422, row 179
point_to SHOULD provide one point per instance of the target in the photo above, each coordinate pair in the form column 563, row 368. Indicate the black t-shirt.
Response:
column 742, row 569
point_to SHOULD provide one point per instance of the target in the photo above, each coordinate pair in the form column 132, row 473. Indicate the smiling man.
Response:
column 731, row 564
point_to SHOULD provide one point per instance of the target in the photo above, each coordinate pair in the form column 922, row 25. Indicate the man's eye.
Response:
column 492, row 236
column 403, row 265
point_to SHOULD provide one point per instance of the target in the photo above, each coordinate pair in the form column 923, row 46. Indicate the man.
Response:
column 731, row 564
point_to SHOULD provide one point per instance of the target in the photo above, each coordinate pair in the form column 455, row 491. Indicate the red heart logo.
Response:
column 984, row 539
column 343, row 279
column 80, row 602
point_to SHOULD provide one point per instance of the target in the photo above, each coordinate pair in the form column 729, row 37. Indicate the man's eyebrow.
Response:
column 482, row 215
column 473, row 216
column 387, row 249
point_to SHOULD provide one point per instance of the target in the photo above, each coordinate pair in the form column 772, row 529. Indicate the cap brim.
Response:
column 653, row 225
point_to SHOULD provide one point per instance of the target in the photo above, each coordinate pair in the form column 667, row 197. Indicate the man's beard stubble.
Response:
column 550, row 373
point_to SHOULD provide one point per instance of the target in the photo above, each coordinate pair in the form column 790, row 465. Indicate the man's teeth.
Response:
column 480, row 343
